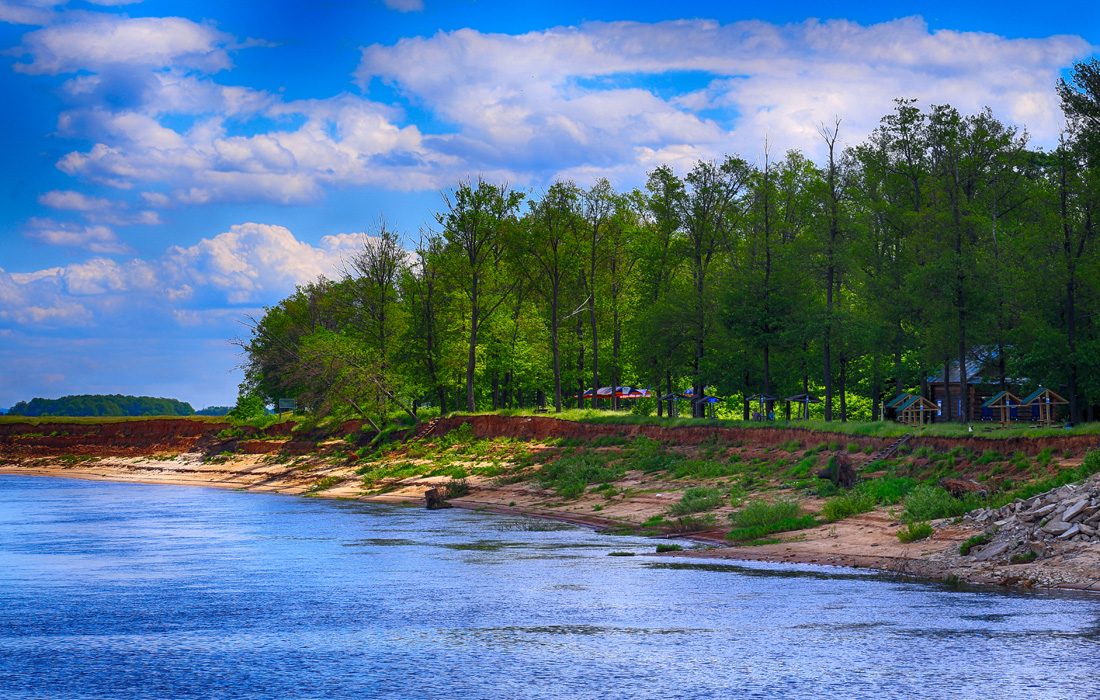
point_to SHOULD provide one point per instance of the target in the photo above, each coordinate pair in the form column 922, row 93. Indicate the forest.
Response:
column 102, row 405
column 941, row 239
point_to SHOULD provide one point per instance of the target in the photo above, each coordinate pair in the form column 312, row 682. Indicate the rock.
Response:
column 1057, row 527
column 1075, row 530
column 994, row 549
column 1075, row 510
column 1040, row 512
column 1090, row 531
column 960, row 487
column 1006, row 523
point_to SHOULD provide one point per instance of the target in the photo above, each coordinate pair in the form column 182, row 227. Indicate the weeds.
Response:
column 569, row 476
column 914, row 532
column 846, row 505
column 697, row 500
column 975, row 541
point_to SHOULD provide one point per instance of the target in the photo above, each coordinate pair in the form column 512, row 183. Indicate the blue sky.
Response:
column 171, row 166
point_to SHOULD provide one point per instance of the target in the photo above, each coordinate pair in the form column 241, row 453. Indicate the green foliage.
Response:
column 1023, row 557
column 887, row 492
column 757, row 532
column 928, row 502
column 846, row 505
column 570, row 475
column 456, row 488
column 669, row 548
column 249, row 407
column 697, row 500
column 761, row 513
column 915, row 531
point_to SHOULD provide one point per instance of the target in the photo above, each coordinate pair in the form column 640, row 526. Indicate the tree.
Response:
column 476, row 224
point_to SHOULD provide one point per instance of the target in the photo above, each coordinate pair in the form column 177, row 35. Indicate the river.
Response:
column 121, row 591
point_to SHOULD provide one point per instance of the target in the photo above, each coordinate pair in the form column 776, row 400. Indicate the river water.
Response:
column 112, row 590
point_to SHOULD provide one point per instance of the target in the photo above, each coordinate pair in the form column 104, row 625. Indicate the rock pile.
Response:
column 1069, row 513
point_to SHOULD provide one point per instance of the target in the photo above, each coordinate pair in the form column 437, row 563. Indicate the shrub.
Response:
column 1023, row 557
column 914, row 532
column 569, row 476
column 846, row 505
column 696, row 500
column 803, row 468
column 927, row 502
column 760, row 513
column 456, row 488
column 668, row 548
column 853, row 447
column 887, row 492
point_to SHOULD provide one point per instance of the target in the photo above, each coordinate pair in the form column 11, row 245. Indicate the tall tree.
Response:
column 476, row 224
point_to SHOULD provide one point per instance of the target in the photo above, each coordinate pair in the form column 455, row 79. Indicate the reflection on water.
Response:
column 133, row 591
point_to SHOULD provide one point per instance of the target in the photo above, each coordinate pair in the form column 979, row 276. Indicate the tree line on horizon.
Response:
column 102, row 405
column 855, row 278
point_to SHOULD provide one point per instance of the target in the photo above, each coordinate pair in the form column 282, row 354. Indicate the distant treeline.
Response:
column 102, row 405
column 214, row 411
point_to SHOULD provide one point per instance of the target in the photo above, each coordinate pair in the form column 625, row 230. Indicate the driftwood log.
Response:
column 433, row 498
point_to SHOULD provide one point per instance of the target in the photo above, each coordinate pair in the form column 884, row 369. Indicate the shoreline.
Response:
column 863, row 542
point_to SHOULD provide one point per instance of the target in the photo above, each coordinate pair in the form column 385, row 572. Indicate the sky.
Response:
column 170, row 167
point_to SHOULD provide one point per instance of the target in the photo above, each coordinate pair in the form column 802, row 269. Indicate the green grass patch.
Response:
column 570, row 475
column 668, row 548
column 697, row 500
column 758, row 532
column 915, row 532
column 846, row 505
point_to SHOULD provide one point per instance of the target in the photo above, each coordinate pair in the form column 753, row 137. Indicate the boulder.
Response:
column 1057, row 527
column 960, row 487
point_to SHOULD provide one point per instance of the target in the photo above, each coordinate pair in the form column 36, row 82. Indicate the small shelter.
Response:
column 766, row 403
column 709, row 404
column 913, row 410
column 1042, row 402
column 803, row 401
column 671, row 398
column 893, row 404
column 1006, row 403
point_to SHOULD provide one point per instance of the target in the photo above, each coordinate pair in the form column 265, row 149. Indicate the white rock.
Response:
column 1075, row 530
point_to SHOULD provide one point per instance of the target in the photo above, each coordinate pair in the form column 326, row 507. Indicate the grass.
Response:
column 569, row 476
column 759, row 519
column 668, row 548
column 326, row 483
column 846, row 505
column 915, row 532
column 930, row 502
column 697, row 500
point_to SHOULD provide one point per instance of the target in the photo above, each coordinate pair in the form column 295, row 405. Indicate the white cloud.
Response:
column 576, row 98
column 95, row 238
column 104, row 41
column 249, row 263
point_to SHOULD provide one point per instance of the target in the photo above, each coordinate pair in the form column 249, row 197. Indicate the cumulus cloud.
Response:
column 587, row 90
column 95, row 238
column 248, row 264
column 598, row 100
column 104, row 41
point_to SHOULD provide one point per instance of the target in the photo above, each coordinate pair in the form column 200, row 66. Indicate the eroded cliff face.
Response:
column 160, row 435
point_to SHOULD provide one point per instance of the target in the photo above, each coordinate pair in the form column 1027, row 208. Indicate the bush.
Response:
column 697, row 500
column 914, row 532
column 846, row 505
column 760, row 513
column 887, row 492
column 927, row 502
column 456, row 488
column 668, row 548
column 569, row 476
column 701, row 469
